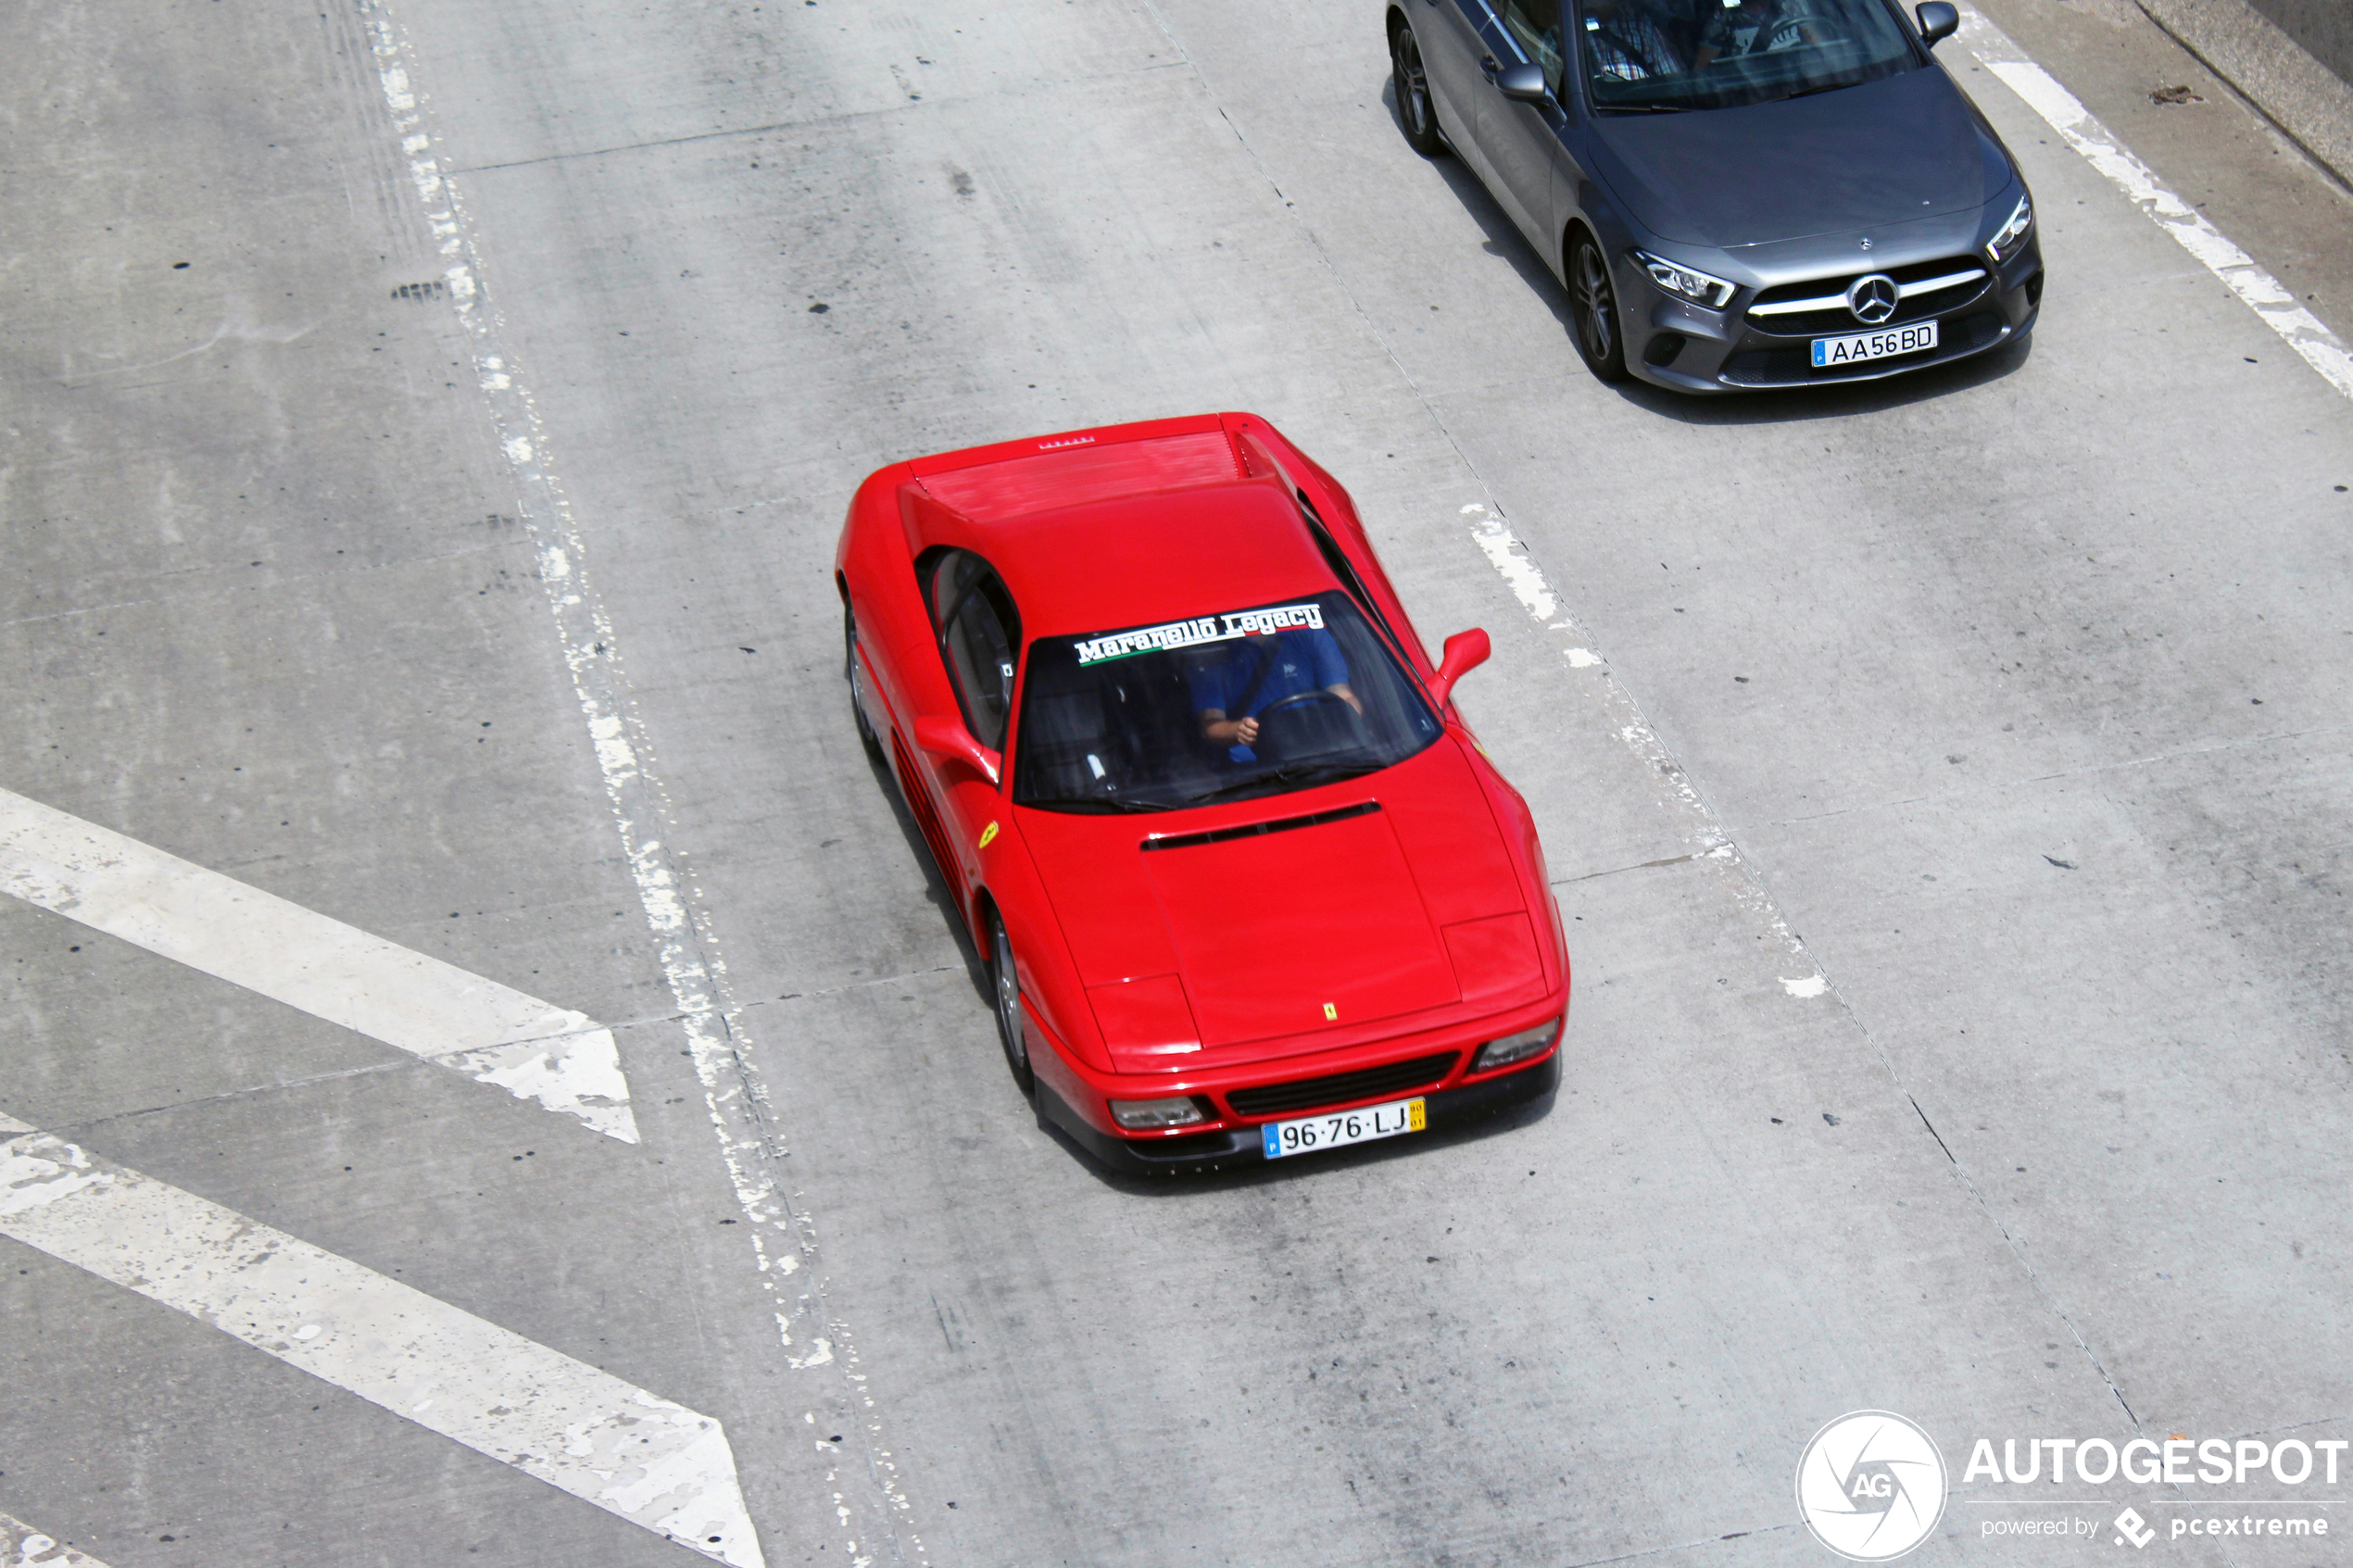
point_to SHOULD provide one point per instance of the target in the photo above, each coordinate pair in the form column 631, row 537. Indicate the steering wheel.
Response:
column 1783, row 23
column 1315, row 693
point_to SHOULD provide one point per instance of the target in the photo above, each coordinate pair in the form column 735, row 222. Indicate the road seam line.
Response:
column 563, row 1059
column 751, row 1144
column 2065, row 113
column 648, row 1460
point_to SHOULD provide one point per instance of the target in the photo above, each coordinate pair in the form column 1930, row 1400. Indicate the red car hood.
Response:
column 1287, row 921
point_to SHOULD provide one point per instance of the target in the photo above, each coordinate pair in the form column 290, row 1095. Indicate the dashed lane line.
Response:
column 2263, row 294
column 21, row 1546
column 564, row 1060
column 654, row 1463
column 869, row 1502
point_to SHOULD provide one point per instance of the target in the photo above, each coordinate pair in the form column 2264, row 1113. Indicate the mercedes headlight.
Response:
column 1686, row 283
column 2012, row 234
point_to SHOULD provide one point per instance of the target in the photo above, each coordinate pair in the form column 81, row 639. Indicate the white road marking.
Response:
column 1703, row 830
column 21, row 1546
column 653, row 1463
column 750, row 1143
column 2263, row 294
column 563, row 1059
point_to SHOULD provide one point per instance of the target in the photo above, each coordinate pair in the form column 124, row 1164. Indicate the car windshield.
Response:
column 1226, row 706
column 1660, row 55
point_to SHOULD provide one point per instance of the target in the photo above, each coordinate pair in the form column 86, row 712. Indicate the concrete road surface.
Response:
column 423, row 433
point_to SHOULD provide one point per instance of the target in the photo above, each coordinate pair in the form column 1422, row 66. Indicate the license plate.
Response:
column 1337, row 1129
column 1829, row 351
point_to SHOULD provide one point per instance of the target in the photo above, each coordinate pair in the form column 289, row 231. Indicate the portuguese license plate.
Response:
column 1830, row 351
column 1338, row 1128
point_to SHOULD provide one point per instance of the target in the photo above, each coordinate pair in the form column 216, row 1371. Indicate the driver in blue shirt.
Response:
column 1231, row 691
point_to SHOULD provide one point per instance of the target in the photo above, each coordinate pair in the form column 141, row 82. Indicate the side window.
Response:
column 1535, row 25
column 980, row 638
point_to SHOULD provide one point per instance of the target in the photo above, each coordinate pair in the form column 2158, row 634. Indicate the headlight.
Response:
column 1144, row 1115
column 1678, row 278
column 1516, row 1048
column 2012, row 234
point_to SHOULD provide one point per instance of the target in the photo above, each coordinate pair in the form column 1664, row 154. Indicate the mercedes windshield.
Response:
column 1661, row 55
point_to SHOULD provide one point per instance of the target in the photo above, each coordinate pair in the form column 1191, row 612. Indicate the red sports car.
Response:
column 1245, row 885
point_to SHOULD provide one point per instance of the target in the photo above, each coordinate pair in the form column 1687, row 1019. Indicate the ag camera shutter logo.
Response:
column 1870, row 1485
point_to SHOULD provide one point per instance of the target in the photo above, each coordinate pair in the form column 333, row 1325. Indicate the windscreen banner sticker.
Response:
column 1206, row 629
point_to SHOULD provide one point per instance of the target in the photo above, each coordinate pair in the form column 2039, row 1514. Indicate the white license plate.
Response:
column 1829, row 351
column 1335, row 1129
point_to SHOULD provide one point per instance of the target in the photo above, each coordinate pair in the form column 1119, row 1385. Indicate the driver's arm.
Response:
column 1339, row 689
column 1215, row 726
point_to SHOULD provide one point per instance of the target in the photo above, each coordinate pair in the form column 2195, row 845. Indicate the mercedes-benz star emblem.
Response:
column 1866, row 244
column 1872, row 298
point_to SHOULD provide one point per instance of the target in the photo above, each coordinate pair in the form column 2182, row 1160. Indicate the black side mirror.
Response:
column 1938, row 19
column 1526, row 82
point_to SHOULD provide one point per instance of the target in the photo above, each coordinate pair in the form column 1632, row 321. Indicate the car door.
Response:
column 979, row 640
column 1523, row 140
column 1456, row 36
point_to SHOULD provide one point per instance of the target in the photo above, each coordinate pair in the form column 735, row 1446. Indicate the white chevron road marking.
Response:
column 21, row 1546
column 653, row 1463
column 563, row 1059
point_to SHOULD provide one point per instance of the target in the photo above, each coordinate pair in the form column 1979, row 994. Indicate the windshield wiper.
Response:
column 1647, row 108
column 1098, row 803
column 1321, row 772
column 1808, row 92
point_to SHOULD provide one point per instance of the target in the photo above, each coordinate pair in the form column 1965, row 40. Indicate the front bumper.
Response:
column 1673, row 344
column 1235, row 1143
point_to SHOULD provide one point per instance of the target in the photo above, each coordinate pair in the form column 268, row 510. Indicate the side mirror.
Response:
column 1526, row 82
column 948, row 737
column 1465, row 652
column 1938, row 19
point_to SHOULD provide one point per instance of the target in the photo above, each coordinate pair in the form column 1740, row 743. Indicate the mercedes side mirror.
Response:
column 1526, row 82
column 948, row 737
column 1465, row 652
column 1938, row 19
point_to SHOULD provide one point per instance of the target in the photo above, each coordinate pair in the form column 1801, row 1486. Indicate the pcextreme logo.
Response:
column 1870, row 1485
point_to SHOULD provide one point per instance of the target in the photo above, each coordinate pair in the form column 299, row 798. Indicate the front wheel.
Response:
column 1599, row 343
column 1415, row 109
column 1004, row 982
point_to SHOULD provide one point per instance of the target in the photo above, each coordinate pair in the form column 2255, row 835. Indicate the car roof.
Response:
column 1137, row 561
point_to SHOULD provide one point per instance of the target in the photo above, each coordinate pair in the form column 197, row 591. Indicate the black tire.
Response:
column 855, row 675
column 1594, row 299
column 1415, row 110
column 1004, row 986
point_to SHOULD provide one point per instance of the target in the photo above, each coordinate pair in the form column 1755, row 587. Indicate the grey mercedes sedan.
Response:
column 1737, row 194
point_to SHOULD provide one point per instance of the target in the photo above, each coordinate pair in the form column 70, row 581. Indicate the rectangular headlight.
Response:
column 1516, row 1048
column 1678, row 278
column 2012, row 234
column 1146, row 1115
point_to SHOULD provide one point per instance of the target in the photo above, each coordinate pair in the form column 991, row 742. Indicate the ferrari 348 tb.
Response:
column 1245, row 885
